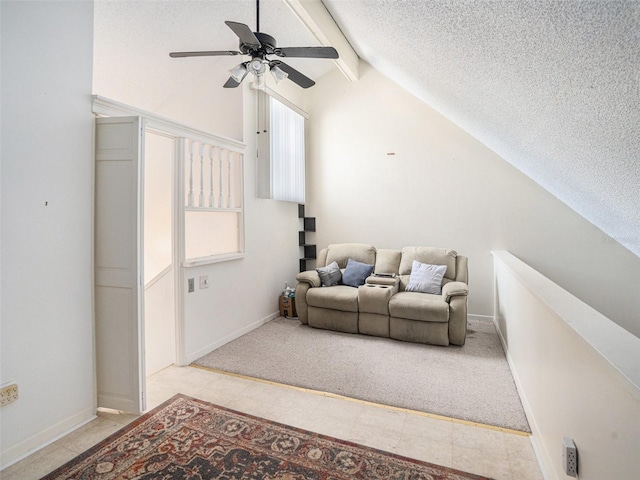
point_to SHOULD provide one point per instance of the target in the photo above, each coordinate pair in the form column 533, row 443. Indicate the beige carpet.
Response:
column 470, row 383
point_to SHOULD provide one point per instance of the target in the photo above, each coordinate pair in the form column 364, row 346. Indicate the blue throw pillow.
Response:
column 356, row 273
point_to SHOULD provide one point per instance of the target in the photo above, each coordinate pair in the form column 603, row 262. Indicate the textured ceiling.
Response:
column 551, row 86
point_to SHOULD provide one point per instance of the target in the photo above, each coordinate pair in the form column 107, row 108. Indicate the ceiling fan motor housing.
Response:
column 267, row 45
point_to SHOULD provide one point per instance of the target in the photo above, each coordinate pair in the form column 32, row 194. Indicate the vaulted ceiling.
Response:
column 551, row 86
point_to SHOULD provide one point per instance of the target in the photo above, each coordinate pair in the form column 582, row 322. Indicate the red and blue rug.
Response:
column 186, row 438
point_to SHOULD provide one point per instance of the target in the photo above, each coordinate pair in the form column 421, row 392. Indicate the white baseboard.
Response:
column 232, row 336
column 483, row 318
column 238, row 333
column 46, row 437
column 541, row 454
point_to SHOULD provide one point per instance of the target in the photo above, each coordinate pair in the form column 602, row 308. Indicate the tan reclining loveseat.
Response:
column 382, row 306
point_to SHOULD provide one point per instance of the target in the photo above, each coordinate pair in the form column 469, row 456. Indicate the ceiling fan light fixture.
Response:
column 259, row 82
column 256, row 66
column 238, row 72
column 278, row 73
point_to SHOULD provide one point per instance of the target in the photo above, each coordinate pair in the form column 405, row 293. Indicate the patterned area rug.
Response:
column 186, row 438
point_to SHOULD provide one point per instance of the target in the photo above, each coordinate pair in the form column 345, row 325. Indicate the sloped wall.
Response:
column 387, row 169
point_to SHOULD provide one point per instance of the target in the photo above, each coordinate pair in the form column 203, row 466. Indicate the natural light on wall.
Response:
column 287, row 153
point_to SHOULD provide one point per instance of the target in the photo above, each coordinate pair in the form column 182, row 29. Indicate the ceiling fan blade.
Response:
column 232, row 83
column 245, row 34
column 294, row 75
column 203, row 54
column 308, row 52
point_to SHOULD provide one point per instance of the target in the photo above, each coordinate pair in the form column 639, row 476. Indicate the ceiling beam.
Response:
column 317, row 19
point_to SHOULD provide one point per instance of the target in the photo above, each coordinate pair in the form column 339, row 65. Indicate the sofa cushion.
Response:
column 430, row 255
column 387, row 261
column 330, row 275
column 425, row 278
column 342, row 252
column 356, row 273
column 338, row 297
column 418, row 306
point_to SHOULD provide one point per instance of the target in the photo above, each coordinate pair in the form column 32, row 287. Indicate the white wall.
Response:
column 444, row 188
column 159, row 296
column 47, row 211
column 159, row 324
column 158, row 185
column 576, row 371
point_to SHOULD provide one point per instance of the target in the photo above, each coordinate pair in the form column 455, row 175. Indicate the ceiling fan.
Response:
column 259, row 46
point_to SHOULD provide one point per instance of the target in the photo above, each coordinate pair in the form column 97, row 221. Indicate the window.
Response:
column 281, row 145
column 286, row 135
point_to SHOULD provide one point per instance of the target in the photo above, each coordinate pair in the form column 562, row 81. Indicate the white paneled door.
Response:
column 119, row 289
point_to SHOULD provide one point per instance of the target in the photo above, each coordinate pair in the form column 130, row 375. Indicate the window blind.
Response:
column 287, row 153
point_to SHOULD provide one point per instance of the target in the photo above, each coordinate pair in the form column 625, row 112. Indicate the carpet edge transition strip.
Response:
column 366, row 402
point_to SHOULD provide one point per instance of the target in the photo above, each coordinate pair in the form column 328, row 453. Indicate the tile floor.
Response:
column 500, row 455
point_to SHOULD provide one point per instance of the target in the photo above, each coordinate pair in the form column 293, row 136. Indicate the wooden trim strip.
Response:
column 365, row 402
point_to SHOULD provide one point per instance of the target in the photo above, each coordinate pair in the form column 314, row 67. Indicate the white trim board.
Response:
column 243, row 331
column 619, row 348
column 191, row 357
column 112, row 108
column 317, row 19
column 46, row 437
column 535, row 429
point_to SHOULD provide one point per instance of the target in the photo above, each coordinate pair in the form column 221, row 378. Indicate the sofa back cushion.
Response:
column 342, row 252
column 431, row 256
column 387, row 261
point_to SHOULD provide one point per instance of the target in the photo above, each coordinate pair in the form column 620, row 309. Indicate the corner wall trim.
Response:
column 525, row 403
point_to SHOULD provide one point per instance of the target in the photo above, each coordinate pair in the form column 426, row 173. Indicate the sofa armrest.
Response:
column 311, row 277
column 454, row 289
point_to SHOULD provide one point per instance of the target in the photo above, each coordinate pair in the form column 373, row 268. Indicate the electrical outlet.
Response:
column 192, row 286
column 204, row 281
column 8, row 394
column 569, row 457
